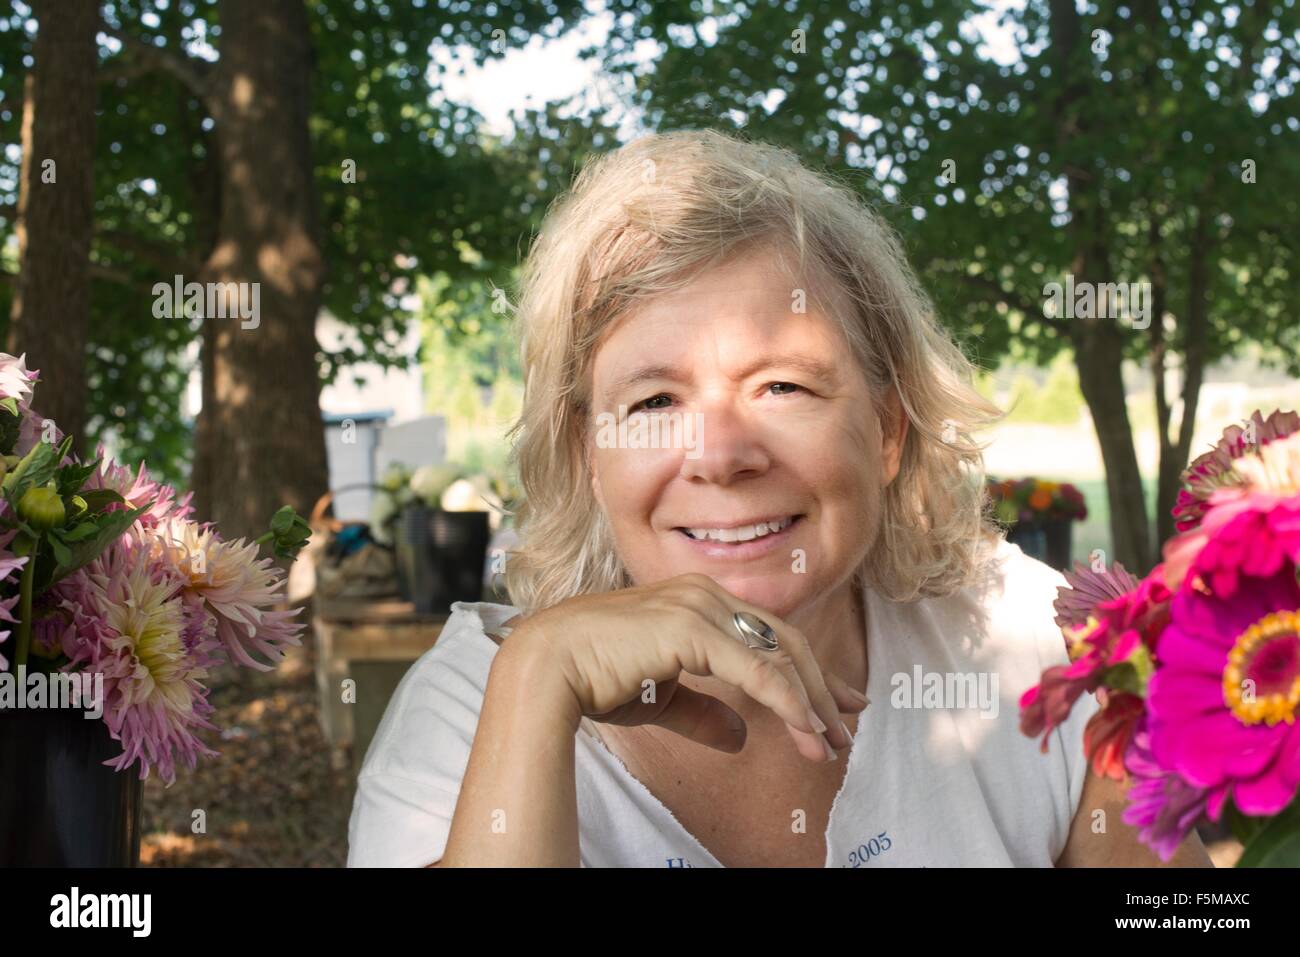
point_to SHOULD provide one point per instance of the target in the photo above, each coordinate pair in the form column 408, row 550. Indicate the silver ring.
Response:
column 754, row 631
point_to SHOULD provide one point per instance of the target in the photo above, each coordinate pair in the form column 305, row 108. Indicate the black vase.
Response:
column 1057, row 535
column 60, row 805
column 1031, row 538
column 412, row 554
column 440, row 557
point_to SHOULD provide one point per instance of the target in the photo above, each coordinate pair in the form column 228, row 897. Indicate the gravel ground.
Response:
column 271, row 799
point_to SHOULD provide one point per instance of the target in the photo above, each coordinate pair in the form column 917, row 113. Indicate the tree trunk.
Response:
column 1174, row 454
column 1099, row 357
column 1098, row 346
column 50, row 314
column 263, row 444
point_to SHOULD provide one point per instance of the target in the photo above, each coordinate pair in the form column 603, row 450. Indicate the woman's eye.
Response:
column 653, row 403
column 784, row 386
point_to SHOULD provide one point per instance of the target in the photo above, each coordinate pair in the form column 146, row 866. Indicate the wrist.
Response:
column 525, row 670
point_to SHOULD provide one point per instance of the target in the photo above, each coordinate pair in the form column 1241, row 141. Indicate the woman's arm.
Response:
column 1118, row 844
column 518, row 802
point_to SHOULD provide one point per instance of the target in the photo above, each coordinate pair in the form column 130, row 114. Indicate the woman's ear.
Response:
column 893, row 436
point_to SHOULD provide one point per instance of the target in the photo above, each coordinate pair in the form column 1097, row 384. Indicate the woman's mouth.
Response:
column 740, row 541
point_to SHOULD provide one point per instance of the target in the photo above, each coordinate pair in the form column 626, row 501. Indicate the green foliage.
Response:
column 1057, row 401
column 432, row 195
column 289, row 534
column 1271, row 843
column 64, row 528
column 889, row 96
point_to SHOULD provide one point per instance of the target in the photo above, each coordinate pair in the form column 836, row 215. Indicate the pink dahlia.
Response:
column 236, row 587
column 1215, row 470
column 9, row 563
column 1123, row 629
column 1085, row 589
column 1223, row 702
column 139, row 489
column 127, row 623
column 15, row 378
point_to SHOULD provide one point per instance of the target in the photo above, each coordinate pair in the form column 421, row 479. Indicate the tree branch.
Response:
column 993, row 292
column 194, row 74
column 167, row 258
column 109, row 274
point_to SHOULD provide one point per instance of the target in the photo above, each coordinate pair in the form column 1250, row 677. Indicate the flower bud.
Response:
column 41, row 508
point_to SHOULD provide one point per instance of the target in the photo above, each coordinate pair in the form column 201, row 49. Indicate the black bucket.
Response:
column 60, row 805
column 440, row 557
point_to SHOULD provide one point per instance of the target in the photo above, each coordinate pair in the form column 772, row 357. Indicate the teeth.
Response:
column 743, row 534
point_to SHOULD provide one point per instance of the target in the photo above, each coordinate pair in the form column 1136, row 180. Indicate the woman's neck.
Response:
column 837, row 631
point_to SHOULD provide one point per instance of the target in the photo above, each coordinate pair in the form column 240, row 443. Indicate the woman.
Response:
column 750, row 497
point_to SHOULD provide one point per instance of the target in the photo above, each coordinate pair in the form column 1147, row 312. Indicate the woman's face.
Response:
column 767, row 460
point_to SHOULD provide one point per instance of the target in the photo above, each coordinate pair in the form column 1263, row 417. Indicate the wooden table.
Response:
column 372, row 643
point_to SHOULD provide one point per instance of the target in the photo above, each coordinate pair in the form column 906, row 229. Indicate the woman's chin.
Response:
column 780, row 597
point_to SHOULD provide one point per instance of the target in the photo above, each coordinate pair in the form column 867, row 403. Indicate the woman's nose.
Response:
column 728, row 447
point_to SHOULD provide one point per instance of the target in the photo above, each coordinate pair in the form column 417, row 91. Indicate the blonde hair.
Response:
column 641, row 221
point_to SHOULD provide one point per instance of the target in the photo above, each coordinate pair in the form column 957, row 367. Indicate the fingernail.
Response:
column 830, row 752
column 817, row 724
column 848, row 735
column 859, row 696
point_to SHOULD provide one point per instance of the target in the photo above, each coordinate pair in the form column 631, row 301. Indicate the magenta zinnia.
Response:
column 1223, row 703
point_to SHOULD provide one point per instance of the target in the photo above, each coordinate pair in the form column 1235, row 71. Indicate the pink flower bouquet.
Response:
column 1197, row 666
column 104, row 573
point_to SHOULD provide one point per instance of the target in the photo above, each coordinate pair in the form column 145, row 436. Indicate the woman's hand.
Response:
column 621, row 653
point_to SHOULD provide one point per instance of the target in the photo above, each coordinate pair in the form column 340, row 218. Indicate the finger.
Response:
column 814, row 684
column 708, row 651
column 806, row 677
column 704, row 719
column 816, row 747
column 847, row 698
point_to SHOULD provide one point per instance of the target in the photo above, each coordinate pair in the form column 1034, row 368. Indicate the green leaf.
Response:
column 1277, row 843
column 62, row 554
column 1243, row 827
column 9, row 404
column 99, row 499
column 84, row 530
column 84, row 552
column 1124, row 677
column 282, row 520
column 34, row 468
column 289, row 533
column 72, row 477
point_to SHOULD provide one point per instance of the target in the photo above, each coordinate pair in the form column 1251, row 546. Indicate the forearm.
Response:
column 518, row 803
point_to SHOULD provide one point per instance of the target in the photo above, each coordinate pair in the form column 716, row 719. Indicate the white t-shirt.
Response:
column 930, row 782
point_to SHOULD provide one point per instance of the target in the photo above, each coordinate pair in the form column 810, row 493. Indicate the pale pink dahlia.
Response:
column 139, row 489
column 127, row 623
column 1214, row 471
column 236, row 587
column 9, row 564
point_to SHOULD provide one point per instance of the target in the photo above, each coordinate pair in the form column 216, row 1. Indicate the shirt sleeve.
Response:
column 410, row 780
